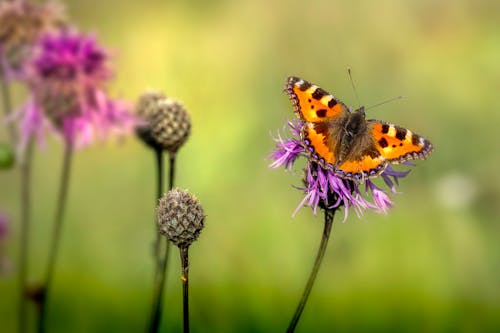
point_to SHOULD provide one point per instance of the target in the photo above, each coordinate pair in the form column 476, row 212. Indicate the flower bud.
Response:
column 180, row 217
column 146, row 107
column 166, row 124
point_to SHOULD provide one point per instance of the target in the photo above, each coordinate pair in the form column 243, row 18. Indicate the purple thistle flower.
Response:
column 323, row 189
column 67, row 77
column 287, row 150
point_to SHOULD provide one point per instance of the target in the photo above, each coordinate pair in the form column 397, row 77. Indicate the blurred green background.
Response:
column 432, row 264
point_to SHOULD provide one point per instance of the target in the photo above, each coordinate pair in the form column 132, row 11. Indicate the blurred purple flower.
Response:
column 67, row 77
column 324, row 189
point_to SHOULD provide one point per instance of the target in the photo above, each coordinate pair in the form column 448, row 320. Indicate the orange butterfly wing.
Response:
column 318, row 139
column 368, row 166
column 390, row 143
column 311, row 103
column 397, row 144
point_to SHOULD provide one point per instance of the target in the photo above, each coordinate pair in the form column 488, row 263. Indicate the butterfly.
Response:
column 346, row 142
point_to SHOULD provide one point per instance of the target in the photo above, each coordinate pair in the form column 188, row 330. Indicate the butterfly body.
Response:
column 346, row 142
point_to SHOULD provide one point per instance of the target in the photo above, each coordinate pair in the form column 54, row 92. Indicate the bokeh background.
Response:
column 432, row 264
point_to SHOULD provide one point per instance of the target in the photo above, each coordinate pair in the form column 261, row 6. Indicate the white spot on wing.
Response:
column 408, row 136
column 392, row 131
column 326, row 99
column 312, row 89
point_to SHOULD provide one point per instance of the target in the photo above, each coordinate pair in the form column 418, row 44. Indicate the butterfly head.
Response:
column 356, row 122
column 361, row 110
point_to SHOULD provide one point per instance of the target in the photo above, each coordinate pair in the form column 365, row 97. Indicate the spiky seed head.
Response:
column 166, row 125
column 145, row 109
column 172, row 125
column 180, row 217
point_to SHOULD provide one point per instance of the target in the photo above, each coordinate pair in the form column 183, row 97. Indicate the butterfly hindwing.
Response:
column 398, row 144
column 368, row 166
column 311, row 102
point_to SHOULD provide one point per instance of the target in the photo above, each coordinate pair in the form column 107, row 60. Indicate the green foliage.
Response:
column 7, row 157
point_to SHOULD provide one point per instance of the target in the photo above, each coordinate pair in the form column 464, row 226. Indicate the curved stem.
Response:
column 25, row 167
column 7, row 104
column 185, row 287
column 56, row 235
column 329, row 213
column 160, row 263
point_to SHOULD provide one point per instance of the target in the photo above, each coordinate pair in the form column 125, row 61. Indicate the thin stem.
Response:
column 159, row 193
column 7, row 104
column 171, row 171
column 329, row 213
column 185, row 287
column 161, row 263
column 56, row 235
column 25, row 167
column 154, row 323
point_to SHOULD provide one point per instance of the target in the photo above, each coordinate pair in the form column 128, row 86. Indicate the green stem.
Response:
column 56, row 235
column 25, row 166
column 161, row 263
column 185, row 287
column 7, row 105
column 171, row 171
column 329, row 213
column 159, row 193
column 154, row 323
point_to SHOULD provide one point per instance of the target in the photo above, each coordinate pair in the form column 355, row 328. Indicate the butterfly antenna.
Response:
column 384, row 102
column 352, row 84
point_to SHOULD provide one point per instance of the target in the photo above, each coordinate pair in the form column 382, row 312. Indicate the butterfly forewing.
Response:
column 398, row 144
column 312, row 103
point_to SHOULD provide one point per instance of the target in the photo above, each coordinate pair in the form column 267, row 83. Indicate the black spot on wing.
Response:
column 319, row 93
column 304, row 86
column 385, row 128
column 332, row 103
column 321, row 113
column 383, row 143
column 400, row 133
column 415, row 139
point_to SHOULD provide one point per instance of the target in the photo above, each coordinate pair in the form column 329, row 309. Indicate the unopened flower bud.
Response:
column 166, row 124
column 145, row 109
column 180, row 217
